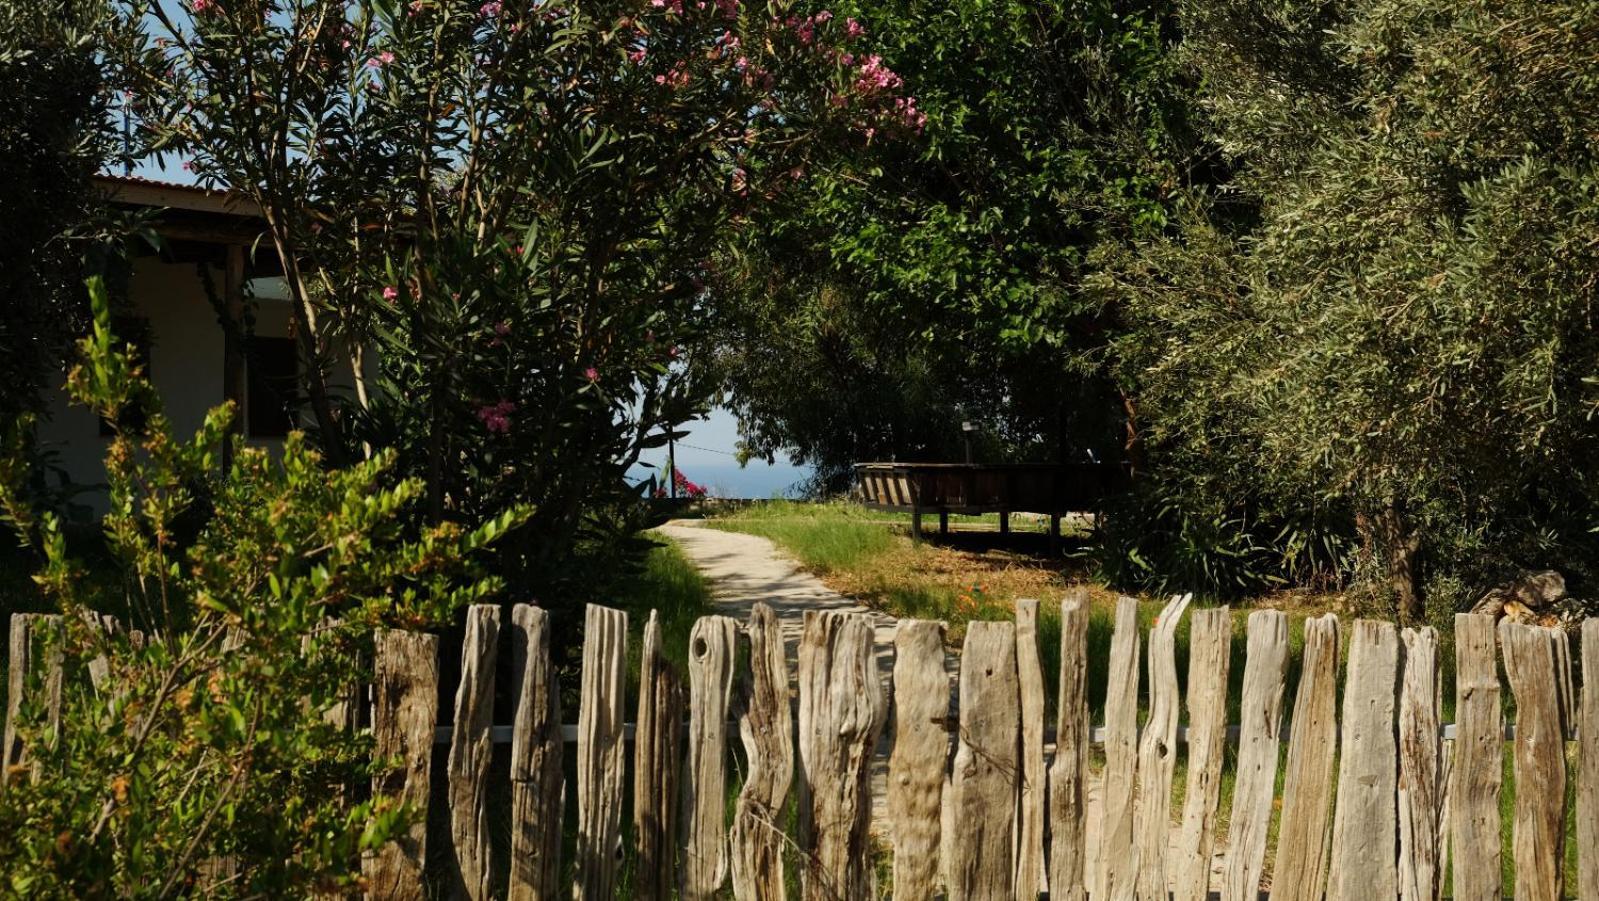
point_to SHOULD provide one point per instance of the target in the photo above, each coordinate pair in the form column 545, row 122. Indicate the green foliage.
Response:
column 925, row 283
column 503, row 215
column 1389, row 321
column 53, row 136
column 205, row 763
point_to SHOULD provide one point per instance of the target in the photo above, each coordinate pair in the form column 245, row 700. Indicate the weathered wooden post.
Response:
column 841, row 714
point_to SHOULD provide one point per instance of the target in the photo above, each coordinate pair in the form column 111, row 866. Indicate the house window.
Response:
column 133, row 332
column 273, row 367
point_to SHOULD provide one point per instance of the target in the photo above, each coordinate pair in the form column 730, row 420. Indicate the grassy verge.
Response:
column 669, row 585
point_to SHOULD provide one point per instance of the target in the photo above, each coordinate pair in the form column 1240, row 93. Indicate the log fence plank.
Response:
column 766, row 725
column 1068, row 822
column 1365, row 848
column 1118, row 861
column 1532, row 666
column 1300, row 873
column 1588, row 767
column 920, row 756
column 1157, row 752
column 713, row 648
column 1259, row 734
column 1209, row 659
column 471, row 753
column 657, row 754
column 1478, row 763
column 1422, row 775
column 842, row 712
column 27, row 639
column 1030, row 798
column 536, row 755
column 405, row 703
column 599, row 754
column 984, row 780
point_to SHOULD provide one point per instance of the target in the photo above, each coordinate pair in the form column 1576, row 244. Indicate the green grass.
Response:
column 826, row 538
column 669, row 585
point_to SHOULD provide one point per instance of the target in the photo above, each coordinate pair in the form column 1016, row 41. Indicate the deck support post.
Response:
column 1054, row 533
column 1004, row 522
column 916, row 524
column 943, row 522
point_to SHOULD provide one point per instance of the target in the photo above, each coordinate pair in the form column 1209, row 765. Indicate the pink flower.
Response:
column 416, row 6
column 874, row 76
column 823, row 17
column 203, row 6
column 502, row 328
column 637, row 54
column 390, row 293
column 381, row 60
column 497, row 418
column 740, row 181
column 188, row 165
column 728, row 8
column 853, row 29
column 591, row 374
column 490, row 9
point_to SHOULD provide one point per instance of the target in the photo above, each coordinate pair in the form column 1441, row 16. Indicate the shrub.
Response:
column 208, row 761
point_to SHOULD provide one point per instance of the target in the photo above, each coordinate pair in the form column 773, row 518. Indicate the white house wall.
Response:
column 186, row 356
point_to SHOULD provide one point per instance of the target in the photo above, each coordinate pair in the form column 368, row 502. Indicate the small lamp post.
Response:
column 967, row 428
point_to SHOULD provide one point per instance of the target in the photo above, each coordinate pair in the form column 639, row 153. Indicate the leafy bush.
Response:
column 498, row 220
column 210, row 760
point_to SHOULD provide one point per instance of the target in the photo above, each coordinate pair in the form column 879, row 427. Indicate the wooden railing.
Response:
column 1380, row 799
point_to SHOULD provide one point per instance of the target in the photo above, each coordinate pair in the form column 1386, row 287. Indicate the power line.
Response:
column 709, row 450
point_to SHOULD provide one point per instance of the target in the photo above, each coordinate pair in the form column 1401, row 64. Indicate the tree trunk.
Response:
column 315, row 376
column 1401, row 546
column 1133, row 444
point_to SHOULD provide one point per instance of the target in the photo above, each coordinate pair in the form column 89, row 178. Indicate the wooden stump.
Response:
column 1261, row 712
column 1157, row 752
column 471, row 752
column 536, row 755
column 405, row 704
column 1068, row 821
column 599, row 754
column 920, row 756
column 1301, row 871
column 658, row 754
column 766, row 724
column 984, row 779
column 841, row 714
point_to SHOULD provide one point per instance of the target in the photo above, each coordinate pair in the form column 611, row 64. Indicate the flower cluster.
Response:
column 970, row 602
column 685, row 487
column 497, row 417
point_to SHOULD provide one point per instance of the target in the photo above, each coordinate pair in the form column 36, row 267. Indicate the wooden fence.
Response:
column 1375, row 791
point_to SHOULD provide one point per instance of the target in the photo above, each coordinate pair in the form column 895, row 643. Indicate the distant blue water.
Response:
column 729, row 480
